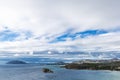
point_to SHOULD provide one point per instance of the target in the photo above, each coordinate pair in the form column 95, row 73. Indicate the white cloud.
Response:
column 45, row 18
column 42, row 16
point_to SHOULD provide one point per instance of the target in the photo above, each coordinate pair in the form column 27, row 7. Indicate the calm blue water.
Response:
column 34, row 72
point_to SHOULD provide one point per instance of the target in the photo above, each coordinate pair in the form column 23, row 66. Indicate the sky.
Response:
column 62, row 25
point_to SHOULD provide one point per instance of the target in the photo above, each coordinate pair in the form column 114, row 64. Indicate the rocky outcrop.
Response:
column 46, row 70
column 16, row 62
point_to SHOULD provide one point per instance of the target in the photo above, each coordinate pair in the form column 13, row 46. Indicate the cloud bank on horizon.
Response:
column 63, row 25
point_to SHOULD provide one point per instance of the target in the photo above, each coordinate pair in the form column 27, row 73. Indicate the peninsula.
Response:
column 113, row 64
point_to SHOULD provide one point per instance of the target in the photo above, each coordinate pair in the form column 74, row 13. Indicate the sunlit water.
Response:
column 34, row 72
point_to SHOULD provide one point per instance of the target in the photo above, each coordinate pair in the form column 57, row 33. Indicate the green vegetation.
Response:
column 115, row 65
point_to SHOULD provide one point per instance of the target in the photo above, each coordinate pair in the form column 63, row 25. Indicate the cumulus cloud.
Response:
column 39, row 22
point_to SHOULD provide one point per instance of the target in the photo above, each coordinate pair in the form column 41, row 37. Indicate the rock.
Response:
column 46, row 70
column 16, row 62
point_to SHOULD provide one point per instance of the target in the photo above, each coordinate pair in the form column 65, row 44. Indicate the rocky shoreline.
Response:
column 107, row 65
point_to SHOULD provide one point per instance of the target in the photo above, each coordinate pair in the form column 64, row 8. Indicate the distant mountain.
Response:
column 53, row 56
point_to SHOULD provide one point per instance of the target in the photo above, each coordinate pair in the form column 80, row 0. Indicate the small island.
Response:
column 46, row 70
column 16, row 62
column 95, row 65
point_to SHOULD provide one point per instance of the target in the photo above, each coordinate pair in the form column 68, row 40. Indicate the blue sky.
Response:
column 74, row 25
column 73, row 36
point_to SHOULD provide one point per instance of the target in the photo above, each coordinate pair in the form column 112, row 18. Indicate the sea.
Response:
column 34, row 72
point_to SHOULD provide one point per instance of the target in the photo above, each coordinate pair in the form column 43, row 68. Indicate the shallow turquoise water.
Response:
column 34, row 72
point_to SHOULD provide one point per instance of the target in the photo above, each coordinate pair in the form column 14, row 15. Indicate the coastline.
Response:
column 112, row 65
